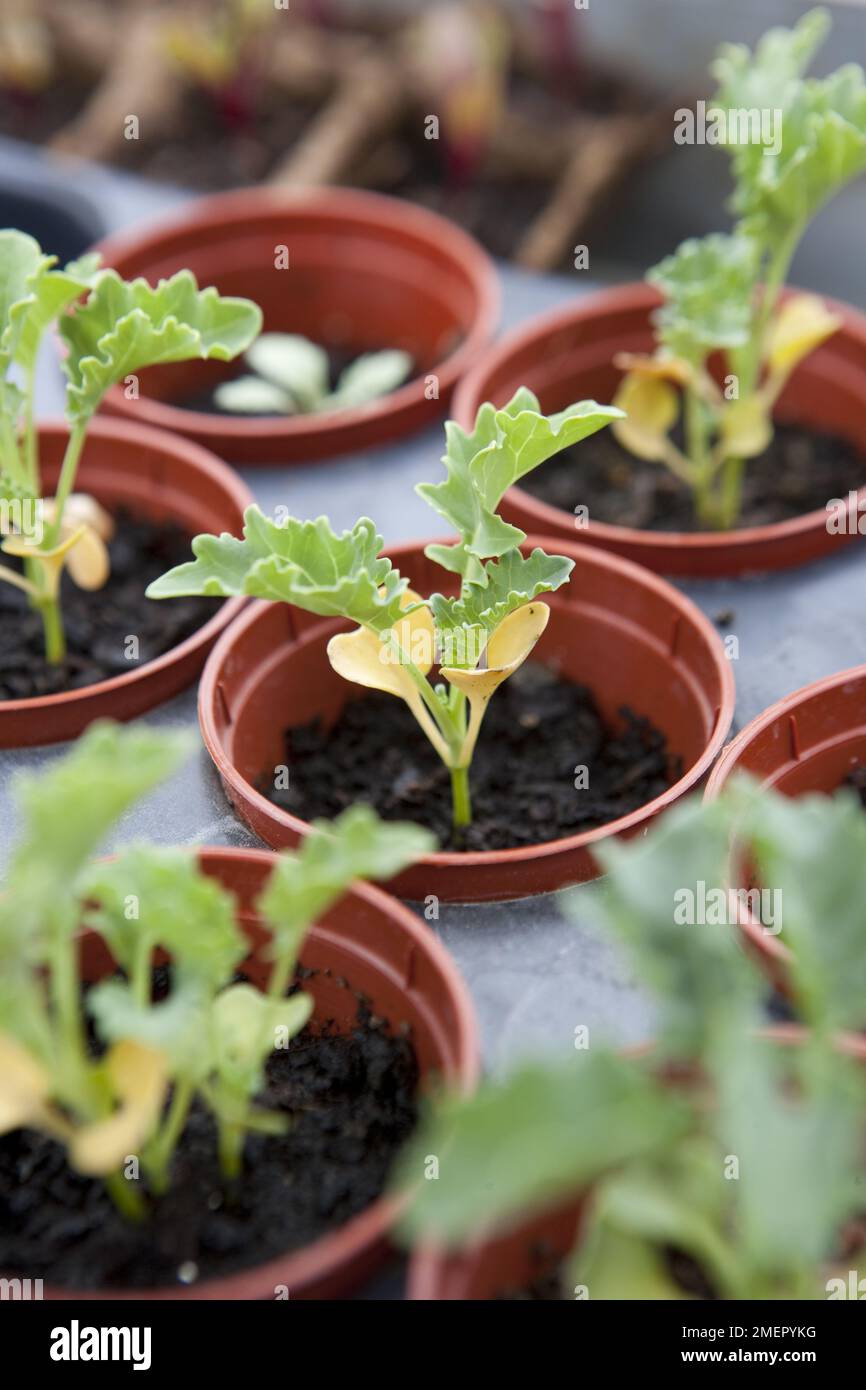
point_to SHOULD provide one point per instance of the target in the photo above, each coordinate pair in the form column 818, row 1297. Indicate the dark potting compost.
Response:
column 800, row 472
column 857, row 779
column 99, row 624
column 538, row 731
column 203, row 399
column 352, row 1101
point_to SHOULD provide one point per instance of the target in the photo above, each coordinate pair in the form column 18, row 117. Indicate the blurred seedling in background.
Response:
column 459, row 57
column 716, row 1153
column 116, row 328
column 210, row 1036
column 476, row 639
column 220, row 45
column 292, row 377
column 722, row 292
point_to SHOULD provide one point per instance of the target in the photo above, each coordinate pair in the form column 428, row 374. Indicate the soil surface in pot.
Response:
column 538, row 732
column 800, row 472
column 204, row 399
column 99, row 624
column 352, row 1101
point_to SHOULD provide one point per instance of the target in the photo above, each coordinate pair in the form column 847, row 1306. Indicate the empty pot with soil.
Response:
column 240, row 1063
column 352, row 273
column 743, row 447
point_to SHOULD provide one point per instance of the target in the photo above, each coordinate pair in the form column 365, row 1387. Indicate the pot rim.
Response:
column 771, row 947
column 787, row 704
column 127, row 433
column 234, row 208
column 453, row 859
column 635, row 294
column 320, row 1257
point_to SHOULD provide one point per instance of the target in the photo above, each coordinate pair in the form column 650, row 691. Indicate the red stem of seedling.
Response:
column 561, row 44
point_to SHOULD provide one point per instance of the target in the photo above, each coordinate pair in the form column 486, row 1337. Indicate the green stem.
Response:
column 460, row 798
column 128, row 1201
column 731, row 493
column 444, row 723
column 165, row 1142
column 31, row 455
column 66, row 482
column 52, row 623
column 65, row 992
column 12, row 464
column 750, row 362
column 231, row 1148
column 20, row 581
column 698, row 450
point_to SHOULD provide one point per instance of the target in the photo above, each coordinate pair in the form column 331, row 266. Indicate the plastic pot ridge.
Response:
column 627, row 634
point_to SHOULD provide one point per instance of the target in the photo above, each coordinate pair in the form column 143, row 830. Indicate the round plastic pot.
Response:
column 367, row 944
column 155, row 475
column 364, row 272
column 628, row 635
column 568, row 355
column 806, row 742
column 538, row 1244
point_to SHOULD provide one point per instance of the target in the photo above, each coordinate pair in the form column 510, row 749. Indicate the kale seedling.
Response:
column 211, row 1036
column 722, row 292
column 292, row 378
column 116, row 329
column 476, row 639
column 741, row 1155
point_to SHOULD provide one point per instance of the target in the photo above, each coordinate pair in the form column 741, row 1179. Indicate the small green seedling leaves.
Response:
column 823, row 143
column 124, row 327
column 722, row 293
column 522, row 1144
column 110, row 329
column 210, row 1034
column 504, row 446
column 725, row 1147
column 292, row 376
column 300, row 562
column 477, row 637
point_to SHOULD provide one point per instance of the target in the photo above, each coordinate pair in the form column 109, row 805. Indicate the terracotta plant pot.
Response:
column 364, row 272
column 628, row 635
column 568, row 355
column 537, row 1245
column 806, row 742
column 487, row 1268
column 164, row 478
column 368, row 944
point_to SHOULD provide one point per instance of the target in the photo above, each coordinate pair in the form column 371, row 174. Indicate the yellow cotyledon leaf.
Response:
column 507, row 649
column 138, row 1077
